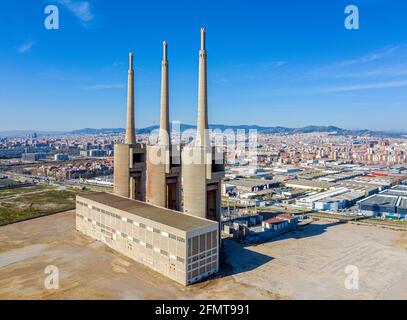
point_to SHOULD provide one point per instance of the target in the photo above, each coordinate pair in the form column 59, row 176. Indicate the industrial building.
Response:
column 165, row 210
column 332, row 200
column 32, row 157
column 61, row 157
column 309, row 184
column 179, row 246
column 154, row 174
column 389, row 204
column 341, row 176
column 280, row 222
column 249, row 186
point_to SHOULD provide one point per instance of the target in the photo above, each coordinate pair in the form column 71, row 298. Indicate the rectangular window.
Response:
column 189, row 247
column 209, row 240
column 194, row 246
column 214, row 239
column 202, row 242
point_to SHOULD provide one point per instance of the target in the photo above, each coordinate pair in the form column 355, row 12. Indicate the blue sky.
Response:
column 274, row 63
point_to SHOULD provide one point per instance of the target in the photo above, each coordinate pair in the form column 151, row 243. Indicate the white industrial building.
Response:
column 331, row 200
column 182, row 247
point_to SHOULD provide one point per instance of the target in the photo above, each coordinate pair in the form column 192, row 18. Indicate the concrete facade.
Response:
column 130, row 156
column 163, row 175
column 201, row 175
column 179, row 246
column 130, row 171
column 184, row 247
column 130, row 127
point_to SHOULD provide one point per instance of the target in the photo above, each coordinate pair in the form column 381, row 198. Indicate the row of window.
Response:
column 202, row 263
column 203, row 256
column 137, row 241
column 208, row 269
column 141, row 225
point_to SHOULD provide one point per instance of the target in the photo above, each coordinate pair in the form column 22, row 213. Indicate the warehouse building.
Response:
column 249, row 186
column 182, row 247
column 332, row 200
column 309, row 184
column 389, row 204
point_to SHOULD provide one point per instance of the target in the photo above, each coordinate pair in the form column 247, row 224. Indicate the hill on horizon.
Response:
column 222, row 127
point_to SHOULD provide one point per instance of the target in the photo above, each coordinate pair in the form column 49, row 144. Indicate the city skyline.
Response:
column 289, row 76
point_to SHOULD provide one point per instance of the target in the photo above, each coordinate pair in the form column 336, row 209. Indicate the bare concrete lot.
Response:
column 310, row 264
column 307, row 264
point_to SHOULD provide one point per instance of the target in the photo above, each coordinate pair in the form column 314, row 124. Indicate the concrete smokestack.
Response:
column 194, row 174
column 130, row 128
column 164, row 137
column 202, row 125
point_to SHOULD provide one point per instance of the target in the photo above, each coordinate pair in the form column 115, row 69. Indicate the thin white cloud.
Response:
column 81, row 9
column 25, row 47
column 372, row 56
column 366, row 86
column 106, row 86
column 387, row 71
column 339, row 68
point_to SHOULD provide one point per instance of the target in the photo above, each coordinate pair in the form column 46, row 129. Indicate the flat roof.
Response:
column 394, row 192
column 310, row 183
column 400, row 188
column 381, row 200
column 250, row 183
column 144, row 210
column 275, row 221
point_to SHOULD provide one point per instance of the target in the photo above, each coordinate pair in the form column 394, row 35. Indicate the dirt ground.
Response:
column 310, row 263
column 307, row 264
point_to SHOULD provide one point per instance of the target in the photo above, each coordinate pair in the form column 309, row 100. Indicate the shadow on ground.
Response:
column 307, row 231
column 238, row 258
column 247, row 259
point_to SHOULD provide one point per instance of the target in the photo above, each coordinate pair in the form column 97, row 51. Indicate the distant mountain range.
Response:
column 260, row 129
column 183, row 127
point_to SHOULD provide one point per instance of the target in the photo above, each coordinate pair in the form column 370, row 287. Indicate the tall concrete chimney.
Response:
column 202, row 139
column 194, row 173
column 130, row 130
column 164, row 137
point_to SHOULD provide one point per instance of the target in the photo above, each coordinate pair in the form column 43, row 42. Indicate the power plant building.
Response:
column 179, row 246
column 165, row 210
